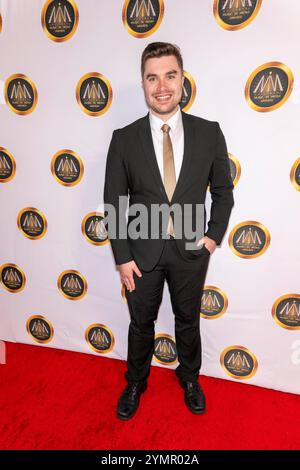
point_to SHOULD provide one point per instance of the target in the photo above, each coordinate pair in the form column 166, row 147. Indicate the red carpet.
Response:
column 53, row 399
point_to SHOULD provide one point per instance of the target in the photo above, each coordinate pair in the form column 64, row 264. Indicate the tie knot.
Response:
column 165, row 128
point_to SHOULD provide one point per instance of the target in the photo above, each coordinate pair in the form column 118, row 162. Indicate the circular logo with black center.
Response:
column 32, row 223
column 238, row 362
column 12, row 277
column 72, row 284
column 142, row 17
column 165, row 351
column 20, row 94
column 39, row 328
column 269, row 86
column 7, row 165
column 94, row 94
column 93, row 228
column 286, row 311
column 235, row 14
column 214, row 303
column 295, row 174
column 249, row 239
column 235, row 169
column 188, row 92
column 59, row 19
column 100, row 338
column 67, row 167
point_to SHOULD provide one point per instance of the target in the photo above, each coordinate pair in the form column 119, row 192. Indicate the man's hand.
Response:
column 209, row 243
column 126, row 272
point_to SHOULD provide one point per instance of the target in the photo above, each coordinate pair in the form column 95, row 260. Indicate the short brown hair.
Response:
column 159, row 49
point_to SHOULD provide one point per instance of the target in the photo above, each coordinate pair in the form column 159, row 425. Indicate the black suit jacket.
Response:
column 132, row 170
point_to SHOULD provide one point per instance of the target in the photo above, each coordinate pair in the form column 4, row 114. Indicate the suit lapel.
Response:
column 149, row 152
column 148, row 148
column 189, row 137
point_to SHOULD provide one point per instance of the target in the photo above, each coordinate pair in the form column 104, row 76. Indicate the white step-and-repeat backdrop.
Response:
column 70, row 75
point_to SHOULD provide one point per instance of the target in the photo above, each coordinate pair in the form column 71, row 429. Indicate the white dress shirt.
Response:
column 177, row 139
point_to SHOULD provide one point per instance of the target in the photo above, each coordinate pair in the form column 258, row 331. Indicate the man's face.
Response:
column 162, row 83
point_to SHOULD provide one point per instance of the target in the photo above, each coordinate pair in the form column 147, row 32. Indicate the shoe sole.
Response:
column 126, row 418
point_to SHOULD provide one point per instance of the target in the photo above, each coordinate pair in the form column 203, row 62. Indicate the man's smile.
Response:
column 163, row 98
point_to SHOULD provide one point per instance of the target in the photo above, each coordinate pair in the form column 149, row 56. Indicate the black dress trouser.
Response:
column 185, row 281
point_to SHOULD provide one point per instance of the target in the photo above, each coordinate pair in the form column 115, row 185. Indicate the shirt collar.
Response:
column 174, row 122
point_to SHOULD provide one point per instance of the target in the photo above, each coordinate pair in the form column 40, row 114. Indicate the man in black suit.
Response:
column 166, row 158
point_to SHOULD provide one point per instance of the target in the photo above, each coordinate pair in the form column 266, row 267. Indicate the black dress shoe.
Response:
column 193, row 396
column 129, row 400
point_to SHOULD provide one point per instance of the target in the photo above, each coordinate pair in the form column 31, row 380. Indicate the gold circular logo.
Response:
column 94, row 94
column 286, row 311
column 12, row 277
column 165, row 351
column 269, row 86
column 235, row 169
column 188, row 92
column 59, row 19
column 238, row 362
column 20, row 94
column 40, row 329
column 100, row 338
column 67, row 167
column 249, row 239
column 214, row 303
column 235, row 14
column 295, row 174
column 93, row 229
column 32, row 223
column 142, row 17
column 72, row 284
column 7, row 165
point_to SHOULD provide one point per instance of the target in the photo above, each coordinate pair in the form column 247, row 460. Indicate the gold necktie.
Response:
column 169, row 171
